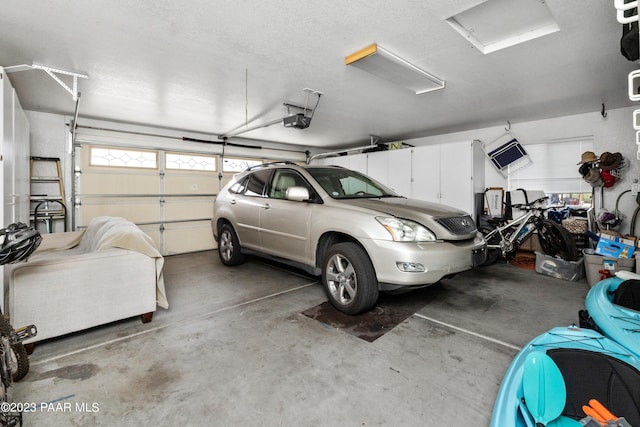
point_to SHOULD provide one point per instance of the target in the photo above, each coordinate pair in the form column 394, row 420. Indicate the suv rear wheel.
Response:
column 229, row 246
column 349, row 278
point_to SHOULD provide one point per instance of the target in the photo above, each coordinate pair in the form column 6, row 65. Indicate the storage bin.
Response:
column 559, row 268
column 593, row 263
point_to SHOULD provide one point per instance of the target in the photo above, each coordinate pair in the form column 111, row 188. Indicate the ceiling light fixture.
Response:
column 389, row 66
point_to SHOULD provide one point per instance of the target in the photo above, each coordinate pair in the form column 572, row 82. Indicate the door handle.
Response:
column 232, row 201
column 266, row 206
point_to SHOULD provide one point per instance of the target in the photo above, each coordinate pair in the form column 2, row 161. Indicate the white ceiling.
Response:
column 212, row 66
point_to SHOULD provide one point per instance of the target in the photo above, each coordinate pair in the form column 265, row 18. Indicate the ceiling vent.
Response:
column 498, row 24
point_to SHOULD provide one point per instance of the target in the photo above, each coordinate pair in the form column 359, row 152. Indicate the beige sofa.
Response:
column 74, row 281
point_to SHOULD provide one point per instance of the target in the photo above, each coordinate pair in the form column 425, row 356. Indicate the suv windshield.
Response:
column 349, row 184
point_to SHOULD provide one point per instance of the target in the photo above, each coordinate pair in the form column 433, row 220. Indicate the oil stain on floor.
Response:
column 390, row 311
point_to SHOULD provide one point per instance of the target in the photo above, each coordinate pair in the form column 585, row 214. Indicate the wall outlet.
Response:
column 635, row 188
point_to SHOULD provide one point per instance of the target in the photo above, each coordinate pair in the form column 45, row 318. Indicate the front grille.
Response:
column 459, row 225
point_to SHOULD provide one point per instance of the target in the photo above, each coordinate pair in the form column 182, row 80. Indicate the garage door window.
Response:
column 185, row 161
column 235, row 165
column 123, row 158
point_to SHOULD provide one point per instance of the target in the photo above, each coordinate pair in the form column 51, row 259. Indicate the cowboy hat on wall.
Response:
column 601, row 171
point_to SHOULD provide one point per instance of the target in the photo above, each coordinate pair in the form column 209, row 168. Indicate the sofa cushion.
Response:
column 59, row 241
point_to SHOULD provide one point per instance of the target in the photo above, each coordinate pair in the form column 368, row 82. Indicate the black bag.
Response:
column 628, row 294
column 629, row 41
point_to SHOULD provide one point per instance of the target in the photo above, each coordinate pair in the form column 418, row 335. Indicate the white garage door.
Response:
column 165, row 183
column 168, row 194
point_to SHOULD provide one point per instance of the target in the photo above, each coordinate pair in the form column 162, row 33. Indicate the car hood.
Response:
column 405, row 208
column 429, row 214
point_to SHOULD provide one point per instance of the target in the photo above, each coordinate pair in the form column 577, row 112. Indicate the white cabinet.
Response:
column 357, row 162
column 14, row 151
column 378, row 166
column 450, row 174
column 399, row 178
column 14, row 162
column 426, row 167
column 391, row 168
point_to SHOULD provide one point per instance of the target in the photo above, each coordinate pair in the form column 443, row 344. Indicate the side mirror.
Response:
column 297, row 194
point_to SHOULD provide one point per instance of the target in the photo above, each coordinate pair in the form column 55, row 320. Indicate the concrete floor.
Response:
column 235, row 350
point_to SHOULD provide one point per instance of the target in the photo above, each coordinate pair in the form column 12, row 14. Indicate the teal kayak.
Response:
column 558, row 372
column 614, row 306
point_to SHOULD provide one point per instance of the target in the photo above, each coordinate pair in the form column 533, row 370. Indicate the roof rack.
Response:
column 263, row 165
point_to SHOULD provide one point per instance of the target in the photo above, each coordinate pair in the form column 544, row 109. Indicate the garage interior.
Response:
column 148, row 109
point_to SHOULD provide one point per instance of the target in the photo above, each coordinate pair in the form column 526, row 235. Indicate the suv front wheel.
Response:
column 349, row 278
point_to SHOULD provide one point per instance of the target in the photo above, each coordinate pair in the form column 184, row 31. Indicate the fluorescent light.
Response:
column 382, row 63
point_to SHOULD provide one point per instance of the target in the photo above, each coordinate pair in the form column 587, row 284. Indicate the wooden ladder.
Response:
column 47, row 192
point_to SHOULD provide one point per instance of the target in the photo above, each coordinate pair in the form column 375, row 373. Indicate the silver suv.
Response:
column 359, row 235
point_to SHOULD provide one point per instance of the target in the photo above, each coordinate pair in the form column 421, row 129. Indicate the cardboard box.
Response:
column 615, row 246
column 531, row 244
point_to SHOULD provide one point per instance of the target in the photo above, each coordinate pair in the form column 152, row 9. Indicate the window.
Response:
column 232, row 164
column 257, row 182
column 121, row 157
column 554, row 171
column 348, row 184
column 240, row 186
column 191, row 162
column 570, row 199
column 285, row 178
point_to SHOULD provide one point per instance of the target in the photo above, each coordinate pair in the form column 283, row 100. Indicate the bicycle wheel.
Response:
column 18, row 355
column 5, row 365
column 556, row 240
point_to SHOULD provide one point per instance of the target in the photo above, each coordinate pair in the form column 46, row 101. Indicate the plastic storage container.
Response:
column 594, row 263
column 559, row 268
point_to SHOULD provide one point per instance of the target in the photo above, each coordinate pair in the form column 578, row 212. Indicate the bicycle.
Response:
column 18, row 242
column 506, row 237
column 14, row 365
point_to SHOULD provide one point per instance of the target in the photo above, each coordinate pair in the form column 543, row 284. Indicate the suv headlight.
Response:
column 403, row 230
